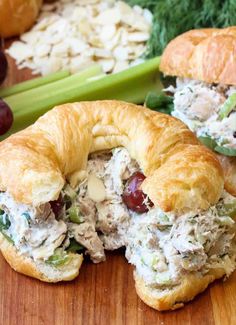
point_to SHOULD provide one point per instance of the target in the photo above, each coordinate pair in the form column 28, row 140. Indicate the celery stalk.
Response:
column 34, row 83
column 47, row 96
column 130, row 85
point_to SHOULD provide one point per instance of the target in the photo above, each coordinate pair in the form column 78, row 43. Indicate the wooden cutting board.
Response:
column 102, row 294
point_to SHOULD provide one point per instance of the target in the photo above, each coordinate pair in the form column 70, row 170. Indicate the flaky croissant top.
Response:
column 202, row 54
column 181, row 173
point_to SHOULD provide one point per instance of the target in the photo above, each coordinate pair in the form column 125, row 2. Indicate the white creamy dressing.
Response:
column 111, row 217
column 162, row 246
column 198, row 104
column 35, row 231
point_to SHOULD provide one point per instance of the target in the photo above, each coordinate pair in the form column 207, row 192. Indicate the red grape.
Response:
column 57, row 205
column 6, row 117
column 133, row 196
column 3, row 66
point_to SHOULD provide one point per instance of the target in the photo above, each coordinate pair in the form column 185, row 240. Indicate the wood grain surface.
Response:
column 102, row 294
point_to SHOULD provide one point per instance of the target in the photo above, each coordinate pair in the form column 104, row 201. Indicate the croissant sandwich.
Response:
column 17, row 16
column 204, row 63
column 94, row 176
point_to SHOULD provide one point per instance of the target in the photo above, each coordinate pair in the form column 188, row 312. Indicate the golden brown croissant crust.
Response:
column 181, row 173
column 16, row 16
column 229, row 168
column 27, row 266
column 202, row 54
column 191, row 285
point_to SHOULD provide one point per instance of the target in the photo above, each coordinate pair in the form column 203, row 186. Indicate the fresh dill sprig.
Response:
column 173, row 17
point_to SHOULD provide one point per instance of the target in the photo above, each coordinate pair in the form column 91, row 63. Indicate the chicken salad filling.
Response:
column 98, row 215
column 165, row 247
column 208, row 110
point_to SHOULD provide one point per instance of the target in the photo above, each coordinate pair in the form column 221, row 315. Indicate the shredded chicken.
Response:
column 198, row 105
column 162, row 246
column 35, row 231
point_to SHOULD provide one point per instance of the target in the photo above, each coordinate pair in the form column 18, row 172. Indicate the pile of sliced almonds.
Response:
column 73, row 34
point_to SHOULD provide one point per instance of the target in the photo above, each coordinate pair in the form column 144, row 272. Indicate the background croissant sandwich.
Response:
column 95, row 176
column 204, row 63
column 16, row 16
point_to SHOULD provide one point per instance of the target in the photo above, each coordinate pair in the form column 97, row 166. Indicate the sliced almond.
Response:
column 121, row 53
column 20, row 51
column 102, row 53
column 42, row 49
column 107, row 64
column 96, row 189
column 138, row 37
column 109, row 17
column 107, row 32
column 120, row 66
column 71, row 34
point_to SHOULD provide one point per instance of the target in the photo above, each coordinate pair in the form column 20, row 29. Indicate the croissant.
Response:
column 70, row 141
column 202, row 54
column 16, row 16
column 206, row 55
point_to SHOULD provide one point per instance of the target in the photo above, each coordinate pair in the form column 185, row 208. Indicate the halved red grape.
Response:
column 133, row 196
column 3, row 66
column 6, row 117
column 57, row 205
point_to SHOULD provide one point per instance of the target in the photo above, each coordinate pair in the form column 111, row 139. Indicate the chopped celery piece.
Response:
column 225, row 221
column 155, row 262
column 70, row 192
column 130, row 85
column 208, row 142
column 228, row 106
column 2, row 212
column 228, row 209
column 163, row 222
column 163, row 278
column 226, row 151
column 74, row 214
column 59, row 258
column 34, row 83
column 74, row 246
column 163, row 218
column 142, row 260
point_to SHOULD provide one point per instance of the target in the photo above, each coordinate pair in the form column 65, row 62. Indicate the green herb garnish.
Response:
column 4, row 222
column 4, row 225
column 173, row 17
